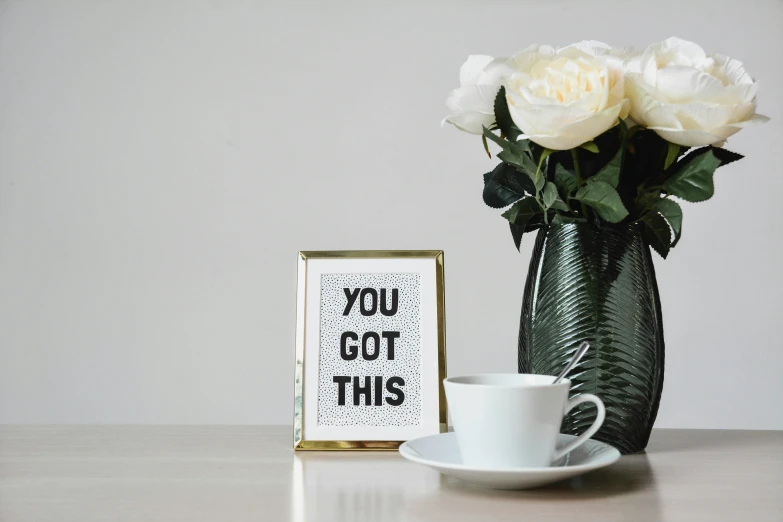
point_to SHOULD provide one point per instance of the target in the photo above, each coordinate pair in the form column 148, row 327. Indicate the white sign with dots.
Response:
column 371, row 339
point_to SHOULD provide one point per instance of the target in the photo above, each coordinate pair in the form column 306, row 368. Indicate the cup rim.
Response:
column 454, row 381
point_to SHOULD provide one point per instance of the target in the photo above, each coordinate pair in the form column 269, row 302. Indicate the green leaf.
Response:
column 486, row 146
column 501, row 142
column 552, row 198
column 549, row 194
column 590, row 146
column 672, row 211
column 516, row 233
column 505, row 144
column 726, row 156
column 656, row 231
column 671, row 155
column 544, row 155
column 604, row 199
column 562, row 220
column 505, row 185
column 523, row 162
column 565, row 180
column 540, row 177
column 516, row 153
column 610, row 173
column 692, row 181
column 503, row 116
column 522, row 211
column 498, row 196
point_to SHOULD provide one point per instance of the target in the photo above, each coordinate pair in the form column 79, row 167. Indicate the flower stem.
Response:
column 579, row 183
column 575, row 156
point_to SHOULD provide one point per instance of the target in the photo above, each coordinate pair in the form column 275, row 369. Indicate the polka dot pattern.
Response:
column 407, row 350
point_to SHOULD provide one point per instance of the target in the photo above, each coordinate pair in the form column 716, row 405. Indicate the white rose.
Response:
column 472, row 105
column 688, row 97
column 563, row 98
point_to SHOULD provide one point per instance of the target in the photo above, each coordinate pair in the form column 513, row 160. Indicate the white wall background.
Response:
column 161, row 163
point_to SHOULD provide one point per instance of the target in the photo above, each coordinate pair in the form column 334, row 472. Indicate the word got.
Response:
column 349, row 351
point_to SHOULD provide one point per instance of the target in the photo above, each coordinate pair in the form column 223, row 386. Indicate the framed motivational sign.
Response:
column 370, row 349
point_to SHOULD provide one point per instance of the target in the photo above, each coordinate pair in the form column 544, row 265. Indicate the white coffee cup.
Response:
column 512, row 420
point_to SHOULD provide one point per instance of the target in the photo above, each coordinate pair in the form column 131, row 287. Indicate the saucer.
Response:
column 441, row 453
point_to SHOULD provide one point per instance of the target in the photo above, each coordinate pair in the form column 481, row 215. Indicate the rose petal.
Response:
column 740, row 93
column 554, row 141
column 472, row 122
column 648, row 66
column 524, row 60
column 545, row 119
column 681, row 84
column 617, row 80
column 473, row 98
column 682, row 52
column 688, row 138
column 700, row 116
column 494, row 72
column 633, row 65
column 732, row 128
column 591, row 102
column 687, row 96
column 594, row 125
column 471, row 70
column 591, row 47
column 756, row 118
column 731, row 70
column 625, row 109
column 645, row 108
column 578, row 132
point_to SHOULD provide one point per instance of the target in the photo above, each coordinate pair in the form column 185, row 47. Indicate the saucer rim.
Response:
column 407, row 452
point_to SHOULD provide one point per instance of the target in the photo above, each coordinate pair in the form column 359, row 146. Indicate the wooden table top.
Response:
column 224, row 473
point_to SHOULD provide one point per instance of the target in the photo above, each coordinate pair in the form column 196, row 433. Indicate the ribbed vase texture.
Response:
column 597, row 285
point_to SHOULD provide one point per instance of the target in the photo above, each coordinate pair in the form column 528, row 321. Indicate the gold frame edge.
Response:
column 362, row 445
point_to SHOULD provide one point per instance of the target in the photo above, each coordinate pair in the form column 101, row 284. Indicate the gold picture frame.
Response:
column 299, row 383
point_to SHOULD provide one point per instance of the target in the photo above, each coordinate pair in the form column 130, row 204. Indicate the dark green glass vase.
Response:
column 597, row 285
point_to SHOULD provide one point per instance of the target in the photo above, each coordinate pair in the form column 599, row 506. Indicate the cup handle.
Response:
column 599, row 420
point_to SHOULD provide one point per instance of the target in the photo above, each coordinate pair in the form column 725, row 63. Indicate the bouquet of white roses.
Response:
column 599, row 135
